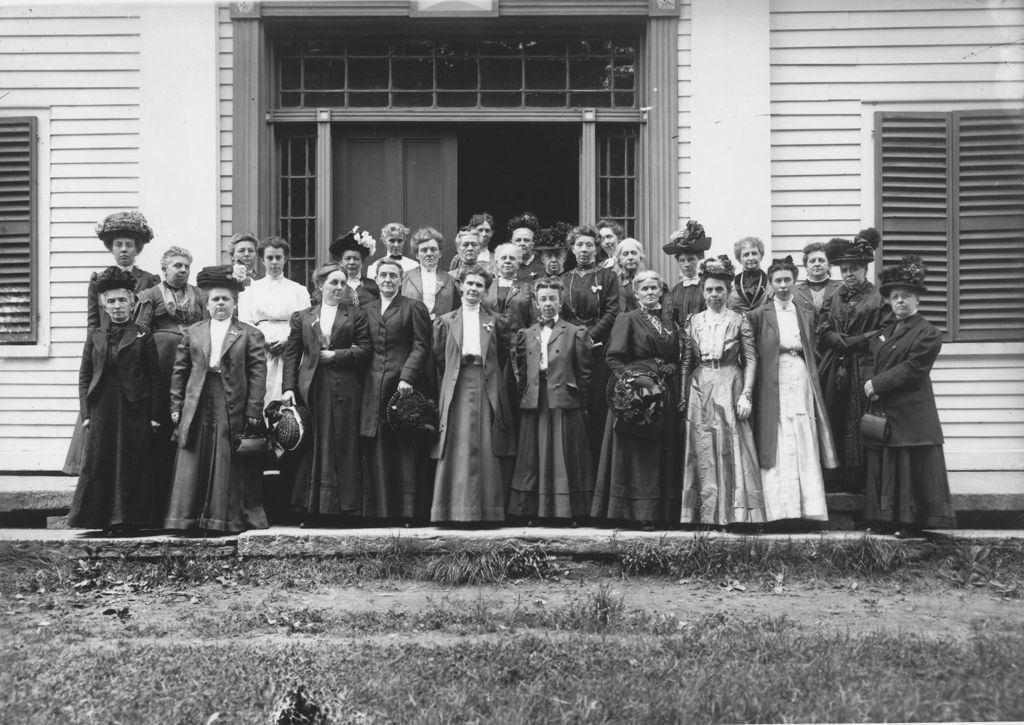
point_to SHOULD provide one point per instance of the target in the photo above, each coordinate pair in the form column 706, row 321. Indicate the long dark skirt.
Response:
column 908, row 485
column 212, row 488
column 554, row 474
column 76, row 449
column 115, row 487
column 842, row 387
column 399, row 476
column 471, row 482
column 165, row 446
column 329, row 480
column 639, row 478
column 597, row 404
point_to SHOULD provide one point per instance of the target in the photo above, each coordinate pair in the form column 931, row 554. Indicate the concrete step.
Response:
column 281, row 542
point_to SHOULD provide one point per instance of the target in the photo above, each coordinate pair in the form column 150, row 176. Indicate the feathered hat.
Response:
column 114, row 278
column 909, row 274
column 555, row 239
column 360, row 241
column 690, row 240
column 221, row 275
column 120, row 223
column 860, row 251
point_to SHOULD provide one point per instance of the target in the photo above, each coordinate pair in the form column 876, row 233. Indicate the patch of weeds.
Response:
column 395, row 560
column 972, row 565
column 298, row 707
column 488, row 566
column 866, row 556
column 638, row 558
column 299, row 621
column 601, row 608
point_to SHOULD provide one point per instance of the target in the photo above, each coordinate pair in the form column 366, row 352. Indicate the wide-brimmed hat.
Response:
column 412, row 414
column 221, row 275
column 120, row 223
column 553, row 239
column 908, row 274
column 360, row 241
column 690, row 240
column 114, row 278
column 719, row 267
column 860, row 251
column 636, row 396
column 289, row 425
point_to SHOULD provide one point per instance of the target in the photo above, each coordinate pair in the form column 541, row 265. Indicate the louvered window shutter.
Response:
column 951, row 189
column 990, row 220
column 17, row 230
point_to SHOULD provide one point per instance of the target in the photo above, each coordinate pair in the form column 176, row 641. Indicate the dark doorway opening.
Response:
column 506, row 169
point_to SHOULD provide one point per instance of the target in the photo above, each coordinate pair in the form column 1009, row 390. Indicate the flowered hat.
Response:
column 221, row 275
column 412, row 414
column 719, row 267
column 636, row 397
column 860, row 251
column 909, row 274
column 526, row 220
column 120, row 223
column 553, row 239
column 690, row 240
column 360, row 241
column 114, row 278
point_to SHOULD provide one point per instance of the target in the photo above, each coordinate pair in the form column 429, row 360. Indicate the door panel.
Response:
column 386, row 175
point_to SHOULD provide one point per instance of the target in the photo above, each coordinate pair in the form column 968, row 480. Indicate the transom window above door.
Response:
column 597, row 72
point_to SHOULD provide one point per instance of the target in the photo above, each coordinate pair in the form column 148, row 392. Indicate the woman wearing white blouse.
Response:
column 477, row 443
column 790, row 423
column 269, row 303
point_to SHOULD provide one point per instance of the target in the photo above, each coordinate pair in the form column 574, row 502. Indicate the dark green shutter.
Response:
column 17, row 230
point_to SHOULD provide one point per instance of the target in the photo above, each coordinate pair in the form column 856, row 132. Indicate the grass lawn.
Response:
column 388, row 638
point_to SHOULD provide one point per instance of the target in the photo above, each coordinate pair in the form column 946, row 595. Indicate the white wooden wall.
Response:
column 225, row 97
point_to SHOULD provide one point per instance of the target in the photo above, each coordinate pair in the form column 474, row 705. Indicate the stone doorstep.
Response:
column 284, row 542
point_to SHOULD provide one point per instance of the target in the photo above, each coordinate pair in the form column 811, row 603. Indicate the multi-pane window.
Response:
column 465, row 73
column 616, row 176
column 17, row 236
column 298, row 203
column 951, row 189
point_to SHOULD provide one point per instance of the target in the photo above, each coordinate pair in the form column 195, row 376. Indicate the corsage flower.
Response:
column 596, row 289
column 489, row 326
column 365, row 240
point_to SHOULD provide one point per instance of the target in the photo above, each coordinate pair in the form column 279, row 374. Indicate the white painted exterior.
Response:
column 776, row 102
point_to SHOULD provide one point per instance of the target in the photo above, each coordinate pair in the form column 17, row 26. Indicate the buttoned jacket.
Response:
column 903, row 356
column 494, row 346
column 570, row 362
column 243, row 372
column 349, row 339
column 447, row 297
column 138, row 366
column 517, row 307
column 400, row 338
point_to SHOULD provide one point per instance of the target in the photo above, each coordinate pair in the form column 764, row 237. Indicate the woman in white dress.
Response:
column 268, row 305
column 790, row 423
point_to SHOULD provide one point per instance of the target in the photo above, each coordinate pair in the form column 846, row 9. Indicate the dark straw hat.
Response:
column 412, row 414
column 719, row 267
column 860, row 251
column 114, row 278
column 121, row 223
column 691, row 240
column 221, row 275
column 908, row 274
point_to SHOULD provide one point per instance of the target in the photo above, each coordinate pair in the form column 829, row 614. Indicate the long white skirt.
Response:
column 795, row 487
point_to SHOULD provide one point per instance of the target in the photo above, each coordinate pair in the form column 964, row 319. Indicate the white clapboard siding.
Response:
column 683, row 47
column 225, row 69
column 80, row 62
column 829, row 60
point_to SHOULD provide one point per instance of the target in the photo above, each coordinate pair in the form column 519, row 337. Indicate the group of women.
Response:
column 571, row 383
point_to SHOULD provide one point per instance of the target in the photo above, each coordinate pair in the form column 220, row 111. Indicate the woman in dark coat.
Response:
column 848, row 320
column 554, row 470
column 119, row 396
column 687, row 296
column 508, row 295
column 638, row 477
column 591, row 300
column 324, row 364
column 428, row 284
column 907, row 484
column 476, row 445
column 217, row 388
column 124, row 234
column 818, row 287
column 398, row 469
column 750, row 288
column 169, row 309
column 791, row 427
column 350, row 251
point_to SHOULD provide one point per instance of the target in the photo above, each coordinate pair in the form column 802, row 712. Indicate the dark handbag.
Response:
column 253, row 443
column 874, row 427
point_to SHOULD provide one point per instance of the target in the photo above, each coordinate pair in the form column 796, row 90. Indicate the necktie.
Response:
column 547, row 322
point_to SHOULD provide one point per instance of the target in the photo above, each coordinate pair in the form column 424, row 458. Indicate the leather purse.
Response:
column 874, row 427
column 253, row 443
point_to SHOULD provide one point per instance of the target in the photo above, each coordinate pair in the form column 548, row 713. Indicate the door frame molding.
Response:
column 253, row 142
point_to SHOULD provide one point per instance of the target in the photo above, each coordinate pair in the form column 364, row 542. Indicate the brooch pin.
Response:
column 141, row 334
column 489, row 326
column 596, row 288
